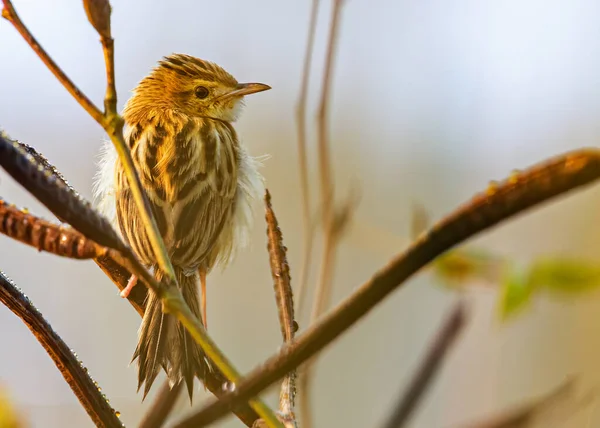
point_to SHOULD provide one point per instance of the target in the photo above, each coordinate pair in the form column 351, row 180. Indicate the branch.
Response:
column 330, row 237
column 428, row 369
column 45, row 236
column 85, row 388
column 532, row 187
column 327, row 189
column 280, row 271
column 302, row 158
column 162, row 406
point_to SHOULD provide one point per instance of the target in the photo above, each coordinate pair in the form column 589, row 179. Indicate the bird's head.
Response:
column 189, row 86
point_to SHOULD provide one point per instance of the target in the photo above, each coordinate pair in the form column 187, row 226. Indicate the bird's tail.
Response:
column 164, row 342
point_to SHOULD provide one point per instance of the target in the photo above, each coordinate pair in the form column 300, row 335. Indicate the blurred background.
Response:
column 431, row 100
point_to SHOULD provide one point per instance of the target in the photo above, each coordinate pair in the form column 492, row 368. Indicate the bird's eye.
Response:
column 201, row 92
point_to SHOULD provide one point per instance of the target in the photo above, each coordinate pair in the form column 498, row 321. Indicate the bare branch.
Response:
column 302, row 157
column 84, row 387
column 327, row 188
column 330, row 237
column 428, row 369
column 532, row 187
column 162, row 406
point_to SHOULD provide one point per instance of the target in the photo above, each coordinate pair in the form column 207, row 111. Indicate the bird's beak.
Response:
column 246, row 89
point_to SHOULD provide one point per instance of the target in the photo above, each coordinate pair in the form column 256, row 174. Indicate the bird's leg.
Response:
column 130, row 284
column 202, row 273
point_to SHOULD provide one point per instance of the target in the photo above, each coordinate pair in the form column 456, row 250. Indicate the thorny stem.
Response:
column 532, row 187
column 280, row 272
column 302, row 159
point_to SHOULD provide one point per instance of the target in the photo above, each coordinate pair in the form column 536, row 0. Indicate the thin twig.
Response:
column 302, row 158
column 428, row 369
column 330, row 238
column 162, row 406
column 9, row 13
column 84, row 387
column 532, row 187
column 284, row 297
column 325, row 169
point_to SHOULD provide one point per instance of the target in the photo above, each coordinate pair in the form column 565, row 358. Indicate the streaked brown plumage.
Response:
column 200, row 182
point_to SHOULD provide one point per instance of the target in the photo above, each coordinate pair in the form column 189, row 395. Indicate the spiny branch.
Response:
column 532, row 187
column 84, row 387
column 280, row 271
column 46, row 236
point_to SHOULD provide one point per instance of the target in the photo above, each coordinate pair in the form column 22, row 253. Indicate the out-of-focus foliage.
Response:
column 560, row 275
column 8, row 415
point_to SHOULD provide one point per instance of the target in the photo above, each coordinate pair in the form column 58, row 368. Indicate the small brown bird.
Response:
column 200, row 182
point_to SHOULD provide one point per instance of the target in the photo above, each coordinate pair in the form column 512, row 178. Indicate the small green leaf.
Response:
column 462, row 265
column 515, row 293
column 565, row 275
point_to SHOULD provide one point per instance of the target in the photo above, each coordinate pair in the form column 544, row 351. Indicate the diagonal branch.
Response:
column 85, row 388
column 46, row 236
column 10, row 14
column 532, row 187
column 429, row 367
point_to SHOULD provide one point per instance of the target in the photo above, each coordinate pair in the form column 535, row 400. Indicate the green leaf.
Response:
column 565, row 275
column 515, row 294
column 462, row 265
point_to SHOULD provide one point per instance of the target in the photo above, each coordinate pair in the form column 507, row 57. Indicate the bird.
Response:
column 200, row 181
